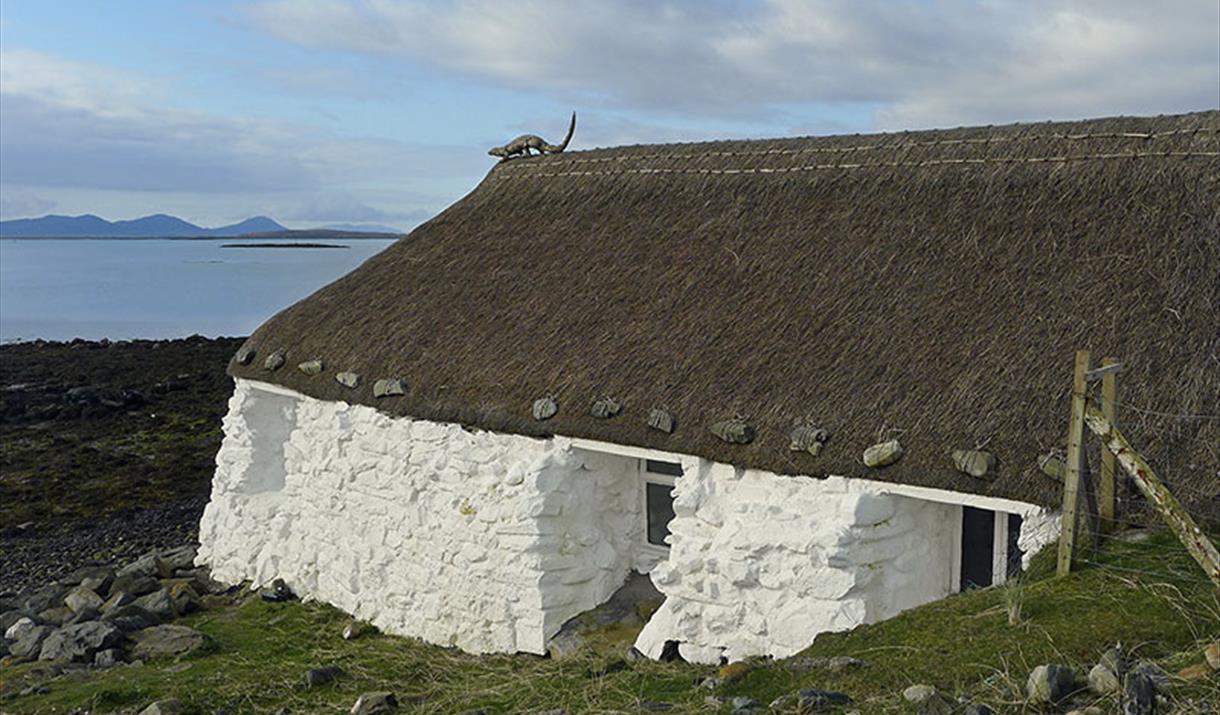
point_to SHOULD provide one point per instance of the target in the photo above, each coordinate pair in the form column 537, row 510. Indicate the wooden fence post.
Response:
column 1196, row 542
column 1107, row 491
column 1075, row 460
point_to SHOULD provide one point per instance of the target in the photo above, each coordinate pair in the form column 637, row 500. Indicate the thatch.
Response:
column 932, row 286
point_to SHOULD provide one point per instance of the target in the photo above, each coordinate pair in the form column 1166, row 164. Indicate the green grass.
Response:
column 1150, row 596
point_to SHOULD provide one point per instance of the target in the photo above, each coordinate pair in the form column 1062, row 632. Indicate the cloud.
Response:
column 921, row 62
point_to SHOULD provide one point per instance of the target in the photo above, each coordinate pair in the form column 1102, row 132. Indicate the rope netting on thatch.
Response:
column 926, row 286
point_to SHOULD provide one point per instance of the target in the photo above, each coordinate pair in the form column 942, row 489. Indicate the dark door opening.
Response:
column 978, row 547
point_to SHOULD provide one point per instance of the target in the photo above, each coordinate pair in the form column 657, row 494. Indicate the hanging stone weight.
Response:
column 735, row 430
column 974, row 462
column 348, row 379
column 883, row 454
column 606, row 408
column 245, row 356
column 389, row 387
column 275, row 360
column 807, row 437
column 545, row 408
column 1052, row 465
column 311, row 367
column 661, row 419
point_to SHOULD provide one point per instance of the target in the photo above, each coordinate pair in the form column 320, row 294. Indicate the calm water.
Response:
column 116, row 289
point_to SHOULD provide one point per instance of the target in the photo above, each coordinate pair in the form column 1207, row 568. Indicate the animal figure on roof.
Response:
column 522, row 145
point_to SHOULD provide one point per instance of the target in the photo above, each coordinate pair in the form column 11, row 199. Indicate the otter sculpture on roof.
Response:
column 521, row 145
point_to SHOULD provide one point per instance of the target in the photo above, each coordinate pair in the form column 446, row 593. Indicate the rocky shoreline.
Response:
column 106, row 450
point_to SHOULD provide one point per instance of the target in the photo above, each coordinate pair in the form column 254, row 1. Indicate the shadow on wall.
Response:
column 270, row 419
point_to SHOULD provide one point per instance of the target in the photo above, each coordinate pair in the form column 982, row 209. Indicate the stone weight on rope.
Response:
column 311, row 367
column 883, row 454
column 545, row 408
column 735, row 430
column 244, row 356
column 807, row 437
column 606, row 408
column 662, row 419
column 974, row 462
column 275, row 360
column 348, row 379
column 1052, row 465
column 389, row 387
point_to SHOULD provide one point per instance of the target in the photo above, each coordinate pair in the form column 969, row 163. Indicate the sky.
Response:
column 319, row 112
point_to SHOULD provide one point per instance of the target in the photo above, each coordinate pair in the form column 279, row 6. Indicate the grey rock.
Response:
column 883, row 454
column 277, row 591
column 390, row 387
column 545, row 408
column 1050, row 684
column 354, row 630
column 181, row 557
column 743, row 705
column 19, row 628
column 275, row 360
column 39, row 689
column 661, row 419
column 1154, row 672
column 807, row 437
column 735, row 430
column 814, row 700
column 47, row 597
column 348, row 379
column 1103, row 681
column 131, row 617
column 172, row 706
column 977, row 709
column 1139, row 694
column 937, row 704
column 834, row 664
column 321, row 676
column 375, row 703
column 606, row 408
column 244, row 356
column 57, row 616
column 974, row 462
column 150, row 564
column 201, row 580
column 80, row 642
column 30, row 644
column 183, row 597
column 88, row 613
column 311, row 367
column 1052, row 465
column 98, row 579
column 1115, row 660
column 165, row 641
column 107, row 658
column 80, row 598
column 8, row 618
column 117, row 600
column 134, row 584
column 633, row 654
column 158, row 603
column 918, row 693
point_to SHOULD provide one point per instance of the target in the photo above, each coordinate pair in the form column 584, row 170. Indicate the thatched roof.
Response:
column 928, row 285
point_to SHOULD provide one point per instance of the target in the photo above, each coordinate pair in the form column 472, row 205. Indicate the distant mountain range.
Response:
column 163, row 226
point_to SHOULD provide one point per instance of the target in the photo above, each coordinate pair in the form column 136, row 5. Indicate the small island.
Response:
column 283, row 245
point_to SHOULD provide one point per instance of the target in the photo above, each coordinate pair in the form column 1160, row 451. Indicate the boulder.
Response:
column 937, row 704
column 321, row 676
column 107, row 658
column 918, row 693
column 8, row 618
column 131, row 618
column 97, row 579
column 88, row 613
column 80, row 598
column 117, row 600
column 165, row 641
column 47, row 597
column 1139, row 694
column 149, row 564
column 158, row 603
column 743, row 705
column 30, row 644
column 277, row 591
column 815, row 700
column 974, row 462
column 172, row 706
column 180, row 558
column 1050, row 684
column 57, row 616
column 1103, row 681
column 134, row 584
column 375, row 703
column 19, row 628
column 80, row 642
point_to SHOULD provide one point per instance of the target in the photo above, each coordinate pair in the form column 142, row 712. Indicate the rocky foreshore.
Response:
column 106, row 450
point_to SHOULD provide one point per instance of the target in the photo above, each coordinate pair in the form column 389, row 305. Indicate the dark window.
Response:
column 660, row 503
column 672, row 469
column 1014, row 551
column 978, row 547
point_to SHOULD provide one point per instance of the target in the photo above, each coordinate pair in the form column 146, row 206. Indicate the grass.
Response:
column 1149, row 595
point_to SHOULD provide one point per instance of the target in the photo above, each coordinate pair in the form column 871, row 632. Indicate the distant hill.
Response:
column 155, row 226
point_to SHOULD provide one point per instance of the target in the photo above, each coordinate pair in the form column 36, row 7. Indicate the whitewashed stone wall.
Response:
column 483, row 541
column 760, row 564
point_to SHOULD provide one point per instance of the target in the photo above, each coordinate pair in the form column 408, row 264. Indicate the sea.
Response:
column 159, row 288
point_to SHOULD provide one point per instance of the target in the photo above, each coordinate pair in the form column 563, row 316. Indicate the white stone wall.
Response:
column 483, row 541
column 760, row 564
